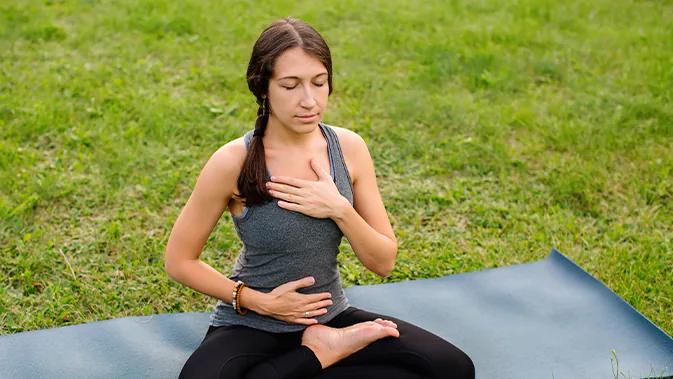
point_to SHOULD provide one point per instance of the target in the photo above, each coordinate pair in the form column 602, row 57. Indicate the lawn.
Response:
column 498, row 129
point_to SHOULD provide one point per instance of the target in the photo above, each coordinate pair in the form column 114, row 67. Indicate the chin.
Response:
column 307, row 128
column 303, row 128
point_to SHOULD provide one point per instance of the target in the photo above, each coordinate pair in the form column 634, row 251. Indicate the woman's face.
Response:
column 298, row 91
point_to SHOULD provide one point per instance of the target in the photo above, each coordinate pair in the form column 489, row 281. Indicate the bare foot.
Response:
column 331, row 345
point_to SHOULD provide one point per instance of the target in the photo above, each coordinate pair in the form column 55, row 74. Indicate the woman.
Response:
column 294, row 187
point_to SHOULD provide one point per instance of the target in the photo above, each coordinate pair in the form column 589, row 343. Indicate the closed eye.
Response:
column 293, row 87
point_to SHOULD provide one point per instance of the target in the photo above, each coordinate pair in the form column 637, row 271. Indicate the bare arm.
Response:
column 205, row 206
column 366, row 224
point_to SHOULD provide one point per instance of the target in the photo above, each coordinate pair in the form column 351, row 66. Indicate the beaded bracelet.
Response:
column 236, row 298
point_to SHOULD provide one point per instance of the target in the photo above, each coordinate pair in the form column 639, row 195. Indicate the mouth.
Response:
column 309, row 117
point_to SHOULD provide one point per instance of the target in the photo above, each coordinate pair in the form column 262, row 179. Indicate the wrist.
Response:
column 341, row 210
column 251, row 299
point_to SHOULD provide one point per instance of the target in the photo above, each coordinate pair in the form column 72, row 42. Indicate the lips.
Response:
column 309, row 119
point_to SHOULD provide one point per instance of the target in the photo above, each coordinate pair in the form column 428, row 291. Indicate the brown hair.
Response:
column 281, row 35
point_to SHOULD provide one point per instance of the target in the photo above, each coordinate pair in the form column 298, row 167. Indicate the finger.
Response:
column 317, row 168
column 323, row 304
column 278, row 187
column 290, row 206
column 304, row 321
column 318, row 305
column 314, row 298
column 294, row 182
column 303, row 282
column 313, row 313
column 294, row 199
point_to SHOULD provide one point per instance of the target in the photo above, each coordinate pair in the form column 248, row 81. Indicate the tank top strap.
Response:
column 341, row 175
column 247, row 138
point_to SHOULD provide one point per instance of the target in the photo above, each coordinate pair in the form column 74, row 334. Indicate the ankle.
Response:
column 325, row 357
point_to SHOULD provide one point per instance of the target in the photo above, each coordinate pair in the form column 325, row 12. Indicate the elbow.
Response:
column 383, row 274
column 173, row 262
column 170, row 267
column 386, row 270
column 177, row 265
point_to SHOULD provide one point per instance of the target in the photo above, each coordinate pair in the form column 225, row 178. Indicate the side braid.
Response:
column 262, row 119
column 253, row 173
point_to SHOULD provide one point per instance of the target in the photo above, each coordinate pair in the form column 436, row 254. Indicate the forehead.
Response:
column 297, row 62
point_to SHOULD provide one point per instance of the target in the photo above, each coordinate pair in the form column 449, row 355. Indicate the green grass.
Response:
column 499, row 130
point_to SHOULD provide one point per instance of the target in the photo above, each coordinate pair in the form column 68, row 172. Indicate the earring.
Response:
column 264, row 107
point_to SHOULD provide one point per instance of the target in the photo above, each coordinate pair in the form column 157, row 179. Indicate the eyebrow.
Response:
column 296, row 77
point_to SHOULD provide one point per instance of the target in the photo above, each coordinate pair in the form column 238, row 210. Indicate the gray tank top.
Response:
column 281, row 246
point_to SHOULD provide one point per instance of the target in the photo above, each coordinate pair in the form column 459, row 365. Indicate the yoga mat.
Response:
column 545, row 319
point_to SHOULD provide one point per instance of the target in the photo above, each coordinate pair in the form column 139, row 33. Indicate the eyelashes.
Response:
column 293, row 87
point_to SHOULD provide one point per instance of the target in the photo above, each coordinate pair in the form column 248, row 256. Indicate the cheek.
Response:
column 322, row 94
column 281, row 101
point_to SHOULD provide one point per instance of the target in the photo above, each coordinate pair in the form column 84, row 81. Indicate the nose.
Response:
column 307, row 99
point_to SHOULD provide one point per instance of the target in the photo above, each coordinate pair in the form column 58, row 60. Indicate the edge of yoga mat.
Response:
column 157, row 346
column 572, row 297
column 667, row 371
column 558, row 255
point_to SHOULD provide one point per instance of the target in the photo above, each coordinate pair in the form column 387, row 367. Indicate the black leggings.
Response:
column 239, row 352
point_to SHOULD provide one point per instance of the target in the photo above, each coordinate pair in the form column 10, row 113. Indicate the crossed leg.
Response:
column 238, row 352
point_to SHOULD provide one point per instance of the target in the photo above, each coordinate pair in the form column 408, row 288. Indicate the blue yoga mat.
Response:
column 545, row 319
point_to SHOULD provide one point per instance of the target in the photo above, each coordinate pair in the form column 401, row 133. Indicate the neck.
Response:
column 282, row 136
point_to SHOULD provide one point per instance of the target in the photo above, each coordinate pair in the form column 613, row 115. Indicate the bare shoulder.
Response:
column 354, row 149
column 231, row 155
column 224, row 166
column 348, row 139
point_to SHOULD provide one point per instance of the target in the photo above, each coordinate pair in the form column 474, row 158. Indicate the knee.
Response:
column 202, row 365
column 464, row 367
column 451, row 363
column 196, row 368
